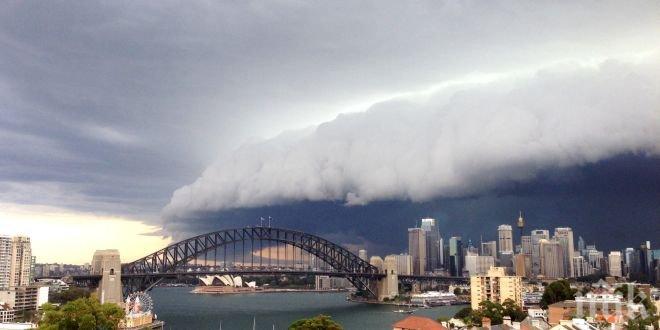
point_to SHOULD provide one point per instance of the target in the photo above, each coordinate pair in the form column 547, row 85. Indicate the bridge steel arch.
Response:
column 144, row 272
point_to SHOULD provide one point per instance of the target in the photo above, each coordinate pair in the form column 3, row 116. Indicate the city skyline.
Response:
column 115, row 120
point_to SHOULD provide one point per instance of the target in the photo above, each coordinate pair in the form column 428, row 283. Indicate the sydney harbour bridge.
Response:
column 256, row 251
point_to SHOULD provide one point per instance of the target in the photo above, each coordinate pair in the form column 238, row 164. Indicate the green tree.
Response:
column 463, row 313
column 82, row 314
column 319, row 322
column 557, row 291
column 513, row 311
column 457, row 291
column 491, row 310
column 71, row 294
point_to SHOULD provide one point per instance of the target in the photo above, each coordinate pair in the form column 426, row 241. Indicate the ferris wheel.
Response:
column 139, row 302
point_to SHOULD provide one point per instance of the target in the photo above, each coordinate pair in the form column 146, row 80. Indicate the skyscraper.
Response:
column 21, row 261
column 552, row 259
column 489, row 249
column 417, row 249
column 526, row 245
column 456, row 261
column 614, row 263
column 505, row 238
column 478, row 265
column 403, row 264
column 433, row 248
column 564, row 235
column 537, row 235
column 5, row 261
column 581, row 244
column 362, row 253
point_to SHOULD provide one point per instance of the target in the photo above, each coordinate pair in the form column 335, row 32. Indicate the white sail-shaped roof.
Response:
column 207, row 280
column 238, row 281
column 227, row 280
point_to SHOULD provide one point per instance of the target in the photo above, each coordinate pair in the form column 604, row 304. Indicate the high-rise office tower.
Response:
column 417, row 249
column 526, row 245
column 552, row 259
column 456, row 259
column 478, row 265
column 433, row 247
column 537, row 235
column 614, row 263
column 21, row 261
column 580, row 266
column 564, row 235
column 403, row 264
column 628, row 260
column 581, row 244
column 5, row 261
column 505, row 238
column 489, row 249
column 362, row 253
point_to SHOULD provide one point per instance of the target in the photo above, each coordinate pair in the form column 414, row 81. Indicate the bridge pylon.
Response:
column 108, row 264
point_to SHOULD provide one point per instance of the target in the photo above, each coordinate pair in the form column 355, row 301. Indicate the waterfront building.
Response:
column 403, row 264
column 5, row 261
column 505, row 238
column 614, row 263
column 478, row 265
column 495, row 286
column 551, row 259
column 489, row 249
column 21, row 262
column 564, row 235
column 537, row 235
column 417, row 249
column 433, row 243
column 456, row 258
column 433, row 298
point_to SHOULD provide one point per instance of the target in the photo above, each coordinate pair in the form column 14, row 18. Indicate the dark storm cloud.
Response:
column 613, row 198
column 110, row 106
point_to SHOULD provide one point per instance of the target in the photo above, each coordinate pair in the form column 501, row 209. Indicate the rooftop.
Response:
column 418, row 323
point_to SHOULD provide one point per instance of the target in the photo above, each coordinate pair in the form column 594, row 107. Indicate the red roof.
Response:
column 418, row 323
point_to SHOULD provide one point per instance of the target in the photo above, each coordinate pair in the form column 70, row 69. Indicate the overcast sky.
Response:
column 156, row 112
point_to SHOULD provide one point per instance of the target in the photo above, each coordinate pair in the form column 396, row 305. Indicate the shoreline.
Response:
column 277, row 290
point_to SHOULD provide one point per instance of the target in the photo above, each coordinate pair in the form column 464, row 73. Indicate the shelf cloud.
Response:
column 462, row 140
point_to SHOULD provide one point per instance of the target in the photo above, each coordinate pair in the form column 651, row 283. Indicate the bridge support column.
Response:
column 388, row 286
column 107, row 264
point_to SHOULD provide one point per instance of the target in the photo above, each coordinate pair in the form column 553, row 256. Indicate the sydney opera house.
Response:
column 224, row 284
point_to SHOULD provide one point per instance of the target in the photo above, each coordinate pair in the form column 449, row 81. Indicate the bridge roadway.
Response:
column 264, row 272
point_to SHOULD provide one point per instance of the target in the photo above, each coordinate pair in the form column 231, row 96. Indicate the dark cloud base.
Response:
column 614, row 203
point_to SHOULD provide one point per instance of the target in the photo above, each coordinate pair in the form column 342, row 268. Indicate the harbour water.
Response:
column 181, row 309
